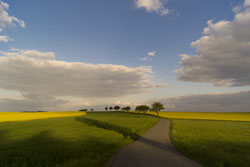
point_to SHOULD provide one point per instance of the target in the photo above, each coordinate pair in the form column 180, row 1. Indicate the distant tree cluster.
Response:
column 83, row 110
column 117, row 108
column 156, row 107
column 128, row 108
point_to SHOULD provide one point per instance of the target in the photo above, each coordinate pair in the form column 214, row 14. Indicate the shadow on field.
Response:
column 126, row 132
column 44, row 150
column 157, row 144
column 2, row 133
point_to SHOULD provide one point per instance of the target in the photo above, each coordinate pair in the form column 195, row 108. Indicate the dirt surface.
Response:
column 152, row 149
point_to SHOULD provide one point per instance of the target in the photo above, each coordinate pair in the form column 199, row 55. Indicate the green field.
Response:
column 213, row 143
column 88, row 140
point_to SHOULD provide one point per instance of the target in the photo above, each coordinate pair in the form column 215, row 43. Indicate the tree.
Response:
column 92, row 109
column 157, row 106
column 123, row 109
column 137, row 108
column 117, row 107
column 106, row 108
column 111, row 108
column 143, row 108
column 128, row 108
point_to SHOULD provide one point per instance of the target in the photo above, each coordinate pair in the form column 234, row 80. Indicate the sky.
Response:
column 67, row 55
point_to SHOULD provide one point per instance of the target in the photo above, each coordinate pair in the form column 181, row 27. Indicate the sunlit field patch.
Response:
column 213, row 139
column 213, row 143
column 24, row 116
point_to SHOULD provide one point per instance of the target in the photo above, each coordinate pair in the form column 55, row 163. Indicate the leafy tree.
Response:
column 106, row 108
column 92, row 109
column 117, row 107
column 157, row 106
column 128, row 108
column 137, row 108
column 143, row 108
column 123, row 109
column 111, row 108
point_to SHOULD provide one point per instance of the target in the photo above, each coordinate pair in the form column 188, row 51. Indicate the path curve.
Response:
column 152, row 149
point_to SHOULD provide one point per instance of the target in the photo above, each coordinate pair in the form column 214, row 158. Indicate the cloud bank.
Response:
column 33, row 72
column 157, row 6
column 223, row 53
column 28, row 104
column 226, row 102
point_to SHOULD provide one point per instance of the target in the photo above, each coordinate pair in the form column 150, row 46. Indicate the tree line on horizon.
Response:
column 117, row 108
column 156, row 107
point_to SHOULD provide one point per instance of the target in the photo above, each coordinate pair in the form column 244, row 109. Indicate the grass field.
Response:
column 239, row 116
column 76, row 139
column 213, row 143
column 24, row 116
column 88, row 140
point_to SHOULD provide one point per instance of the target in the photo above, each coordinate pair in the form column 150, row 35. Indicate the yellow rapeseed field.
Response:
column 23, row 116
column 206, row 115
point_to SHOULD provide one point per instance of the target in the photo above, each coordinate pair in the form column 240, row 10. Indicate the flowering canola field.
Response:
column 24, row 116
column 240, row 116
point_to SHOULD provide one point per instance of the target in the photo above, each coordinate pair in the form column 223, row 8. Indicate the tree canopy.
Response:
column 128, row 108
column 157, row 106
column 117, row 107
column 143, row 108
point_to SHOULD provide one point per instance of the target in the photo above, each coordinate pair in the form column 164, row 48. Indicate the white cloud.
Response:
column 144, row 58
column 150, row 54
column 153, row 53
column 224, row 102
column 5, row 38
column 162, row 85
column 7, row 21
column 118, row 102
column 29, row 54
column 32, row 72
column 223, row 53
column 157, row 6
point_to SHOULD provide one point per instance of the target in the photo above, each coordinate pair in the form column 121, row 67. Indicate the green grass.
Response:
column 88, row 140
column 213, row 143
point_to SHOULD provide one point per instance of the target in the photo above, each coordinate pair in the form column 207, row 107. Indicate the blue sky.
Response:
column 119, row 32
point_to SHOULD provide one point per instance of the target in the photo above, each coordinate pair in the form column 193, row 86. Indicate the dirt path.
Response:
column 153, row 149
